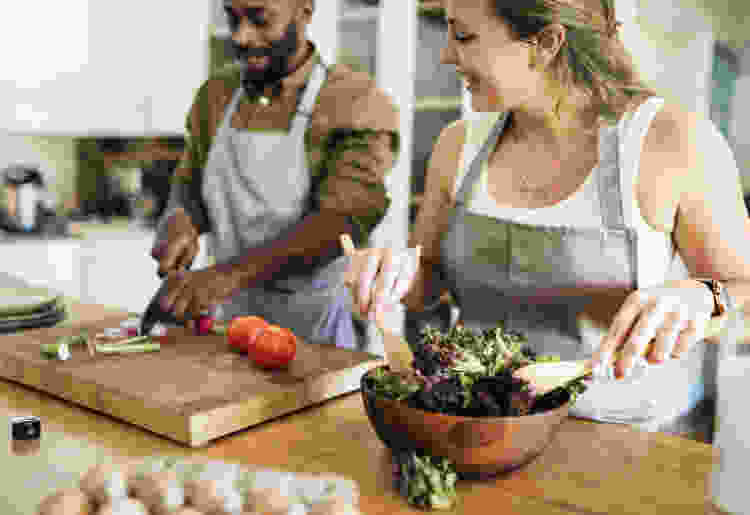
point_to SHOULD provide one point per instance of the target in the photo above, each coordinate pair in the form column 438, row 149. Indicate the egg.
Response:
column 269, row 501
column 187, row 510
column 214, row 497
column 127, row 506
column 333, row 507
column 160, row 491
column 71, row 501
column 105, row 483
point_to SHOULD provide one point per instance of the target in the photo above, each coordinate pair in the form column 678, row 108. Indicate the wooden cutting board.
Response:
column 195, row 389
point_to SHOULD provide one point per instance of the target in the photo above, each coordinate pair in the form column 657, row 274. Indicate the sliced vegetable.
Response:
column 158, row 332
column 274, row 347
column 105, row 483
column 131, row 326
column 135, row 348
column 70, row 501
column 243, row 331
column 203, row 325
column 76, row 339
column 60, row 351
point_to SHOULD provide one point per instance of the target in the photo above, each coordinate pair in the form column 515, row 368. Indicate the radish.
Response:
column 204, row 324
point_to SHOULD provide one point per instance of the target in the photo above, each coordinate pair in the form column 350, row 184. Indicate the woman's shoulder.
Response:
column 671, row 159
column 445, row 160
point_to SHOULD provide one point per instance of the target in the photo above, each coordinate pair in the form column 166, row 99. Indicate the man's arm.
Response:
column 311, row 243
column 356, row 148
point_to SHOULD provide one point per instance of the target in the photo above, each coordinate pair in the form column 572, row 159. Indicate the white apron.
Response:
column 256, row 187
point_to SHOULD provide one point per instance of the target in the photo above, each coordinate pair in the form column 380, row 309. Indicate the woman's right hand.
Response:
column 379, row 277
column 176, row 243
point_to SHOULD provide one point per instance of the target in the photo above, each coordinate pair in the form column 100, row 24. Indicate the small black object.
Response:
column 26, row 428
column 154, row 313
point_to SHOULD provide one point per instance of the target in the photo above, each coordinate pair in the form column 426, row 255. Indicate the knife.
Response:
column 154, row 312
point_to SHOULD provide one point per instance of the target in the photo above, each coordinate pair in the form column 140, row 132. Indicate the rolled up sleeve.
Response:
column 359, row 150
column 187, row 178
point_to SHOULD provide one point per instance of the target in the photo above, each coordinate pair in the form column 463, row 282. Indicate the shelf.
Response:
column 360, row 14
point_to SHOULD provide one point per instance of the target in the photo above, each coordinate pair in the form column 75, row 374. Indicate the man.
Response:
column 284, row 155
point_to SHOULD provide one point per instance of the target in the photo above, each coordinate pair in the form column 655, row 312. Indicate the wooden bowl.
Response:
column 480, row 447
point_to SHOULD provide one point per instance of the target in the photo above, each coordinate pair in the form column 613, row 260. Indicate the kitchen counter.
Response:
column 588, row 468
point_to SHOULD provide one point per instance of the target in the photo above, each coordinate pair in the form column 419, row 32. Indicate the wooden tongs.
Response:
column 397, row 351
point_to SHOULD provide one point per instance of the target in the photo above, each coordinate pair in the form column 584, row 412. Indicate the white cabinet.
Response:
column 102, row 68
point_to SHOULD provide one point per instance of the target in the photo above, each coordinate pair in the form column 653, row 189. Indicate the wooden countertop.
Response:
column 588, row 468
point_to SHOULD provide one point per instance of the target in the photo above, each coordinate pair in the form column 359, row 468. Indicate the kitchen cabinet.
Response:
column 92, row 69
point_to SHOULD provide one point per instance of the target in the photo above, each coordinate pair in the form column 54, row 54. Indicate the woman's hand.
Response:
column 379, row 277
column 674, row 315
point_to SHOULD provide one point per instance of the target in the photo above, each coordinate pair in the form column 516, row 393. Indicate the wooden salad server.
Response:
column 397, row 351
column 545, row 377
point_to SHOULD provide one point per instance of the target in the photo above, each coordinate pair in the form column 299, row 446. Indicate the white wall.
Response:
column 740, row 124
column 672, row 45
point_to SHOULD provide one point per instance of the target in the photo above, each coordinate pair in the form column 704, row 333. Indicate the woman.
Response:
column 567, row 200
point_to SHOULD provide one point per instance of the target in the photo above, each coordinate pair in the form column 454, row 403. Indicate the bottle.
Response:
column 727, row 483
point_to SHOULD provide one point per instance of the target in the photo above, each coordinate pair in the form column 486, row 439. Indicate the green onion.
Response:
column 78, row 339
column 119, row 348
column 56, row 350
column 132, row 341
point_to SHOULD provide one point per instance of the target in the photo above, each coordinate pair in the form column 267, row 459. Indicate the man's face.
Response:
column 265, row 35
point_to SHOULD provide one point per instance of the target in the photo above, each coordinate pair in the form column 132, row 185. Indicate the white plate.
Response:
column 24, row 301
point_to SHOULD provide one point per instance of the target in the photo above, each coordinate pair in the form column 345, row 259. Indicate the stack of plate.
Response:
column 29, row 308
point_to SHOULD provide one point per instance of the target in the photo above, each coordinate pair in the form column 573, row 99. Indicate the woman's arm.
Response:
column 434, row 214
column 712, row 229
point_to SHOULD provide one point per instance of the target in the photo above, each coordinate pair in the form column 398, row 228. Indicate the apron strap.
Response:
column 318, row 77
column 475, row 169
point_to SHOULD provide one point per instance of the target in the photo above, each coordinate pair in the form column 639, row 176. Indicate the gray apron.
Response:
column 256, row 188
column 527, row 276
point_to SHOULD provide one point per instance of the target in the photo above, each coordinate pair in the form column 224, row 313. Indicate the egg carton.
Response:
column 302, row 489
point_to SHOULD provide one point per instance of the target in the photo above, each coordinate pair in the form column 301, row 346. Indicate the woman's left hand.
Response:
column 674, row 314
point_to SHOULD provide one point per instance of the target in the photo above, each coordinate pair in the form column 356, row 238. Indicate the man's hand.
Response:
column 188, row 294
column 176, row 243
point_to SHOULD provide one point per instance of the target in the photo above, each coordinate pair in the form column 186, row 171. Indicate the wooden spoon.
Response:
column 397, row 351
column 545, row 377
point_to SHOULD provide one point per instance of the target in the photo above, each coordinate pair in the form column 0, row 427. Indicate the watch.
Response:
column 722, row 301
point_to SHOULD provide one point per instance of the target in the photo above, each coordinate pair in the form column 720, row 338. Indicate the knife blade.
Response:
column 156, row 314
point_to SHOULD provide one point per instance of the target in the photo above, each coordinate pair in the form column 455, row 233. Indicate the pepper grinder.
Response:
column 728, row 490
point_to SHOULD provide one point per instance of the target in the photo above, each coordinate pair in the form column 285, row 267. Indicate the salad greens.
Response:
column 425, row 481
column 461, row 372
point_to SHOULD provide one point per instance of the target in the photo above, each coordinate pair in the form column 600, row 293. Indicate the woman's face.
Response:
column 495, row 66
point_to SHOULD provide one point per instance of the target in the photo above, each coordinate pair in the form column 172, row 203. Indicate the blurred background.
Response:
column 93, row 107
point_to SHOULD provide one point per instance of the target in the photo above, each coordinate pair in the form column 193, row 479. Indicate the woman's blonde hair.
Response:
column 593, row 59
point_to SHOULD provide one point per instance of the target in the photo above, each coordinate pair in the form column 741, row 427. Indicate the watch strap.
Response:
column 722, row 302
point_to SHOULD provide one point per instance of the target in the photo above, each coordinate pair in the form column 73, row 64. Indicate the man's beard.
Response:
column 280, row 53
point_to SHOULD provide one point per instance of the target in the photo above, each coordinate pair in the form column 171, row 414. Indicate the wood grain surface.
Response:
column 195, row 389
column 588, row 468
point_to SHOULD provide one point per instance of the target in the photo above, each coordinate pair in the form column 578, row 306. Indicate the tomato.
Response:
column 243, row 331
column 274, row 347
